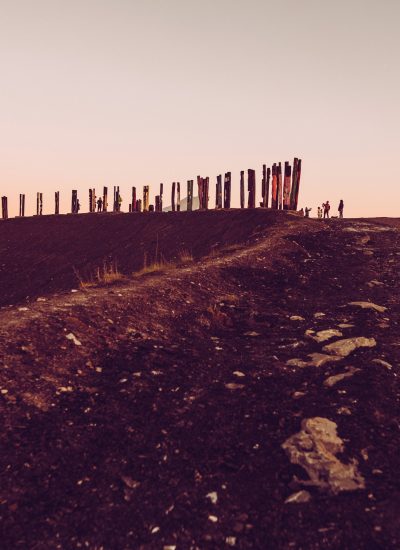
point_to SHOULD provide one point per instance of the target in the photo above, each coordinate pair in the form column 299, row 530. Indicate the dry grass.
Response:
column 160, row 264
column 106, row 275
column 185, row 256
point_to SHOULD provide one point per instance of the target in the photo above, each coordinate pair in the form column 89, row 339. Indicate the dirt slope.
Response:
column 151, row 415
column 43, row 255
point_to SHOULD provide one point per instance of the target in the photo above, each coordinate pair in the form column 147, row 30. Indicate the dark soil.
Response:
column 116, row 443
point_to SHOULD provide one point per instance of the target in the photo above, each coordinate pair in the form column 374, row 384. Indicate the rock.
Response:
column 239, row 374
column 214, row 519
column 383, row 363
column 298, row 498
column 332, row 380
column 298, row 394
column 343, row 348
column 314, row 448
column 23, row 309
column 344, row 410
column 73, row 339
column 251, row 333
column 296, row 362
column 296, row 318
column 319, row 315
column 324, row 335
column 345, row 325
column 230, row 541
column 320, row 359
column 129, row 482
column 213, row 497
column 369, row 305
column 233, row 386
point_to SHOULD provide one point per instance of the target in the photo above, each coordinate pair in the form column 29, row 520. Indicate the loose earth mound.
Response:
column 247, row 398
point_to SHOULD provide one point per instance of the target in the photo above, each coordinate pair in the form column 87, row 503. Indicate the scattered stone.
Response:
column 319, row 315
column 320, row 359
column 369, row 305
column 251, row 333
column 296, row 362
column 297, row 318
column 314, row 448
column 129, row 482
column 233, row 386
column 239, row 374
column 309, row 332
column 213, row 497
column 298, row 498
column 345, row 325
column 214, row 519
column 74, row 290
column 344, row 411
column 324, row 335
column 298, row 394
column 374, row 282
column 4, row 391
column 383, row 363
column 155, row 530
column 41, row 299
column 23, row 309
column 169, row 547
column 345, row 347
column 65, row 389
column 73, row 339
column 332, row 380
column 230, row 541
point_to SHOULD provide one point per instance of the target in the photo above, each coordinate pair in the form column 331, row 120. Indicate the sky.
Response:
column 133, row 93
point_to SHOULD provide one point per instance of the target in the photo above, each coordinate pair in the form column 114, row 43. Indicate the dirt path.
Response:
column 163, row 429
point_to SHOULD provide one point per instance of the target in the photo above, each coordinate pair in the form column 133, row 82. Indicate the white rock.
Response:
column 73, row 339
column 369, row 305
column 324, row 335
column 332, row 380
column 383, row 363
column 319, row 315
column 343, row 348
column 214, row 519
column 299, row 497
column 230, row 541
column 314, row 448
column 297, row 318
column 213, row 497
column 238, row 373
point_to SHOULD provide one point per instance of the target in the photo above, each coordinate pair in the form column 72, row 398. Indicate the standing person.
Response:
column 99, row 204
column 319, row 213
column 341, row 207
column 307, row 212
column 326, row 206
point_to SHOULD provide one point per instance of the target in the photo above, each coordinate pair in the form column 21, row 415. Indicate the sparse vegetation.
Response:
column 105, row 275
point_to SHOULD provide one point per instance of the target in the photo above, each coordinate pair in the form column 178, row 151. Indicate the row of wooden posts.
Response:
column 284, row 189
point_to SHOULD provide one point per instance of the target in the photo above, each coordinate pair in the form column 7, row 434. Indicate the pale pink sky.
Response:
column 127, row 92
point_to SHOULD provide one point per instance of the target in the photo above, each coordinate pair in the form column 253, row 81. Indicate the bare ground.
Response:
column 175, row 386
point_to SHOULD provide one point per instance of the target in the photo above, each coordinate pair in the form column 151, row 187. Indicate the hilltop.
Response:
column 151, row 413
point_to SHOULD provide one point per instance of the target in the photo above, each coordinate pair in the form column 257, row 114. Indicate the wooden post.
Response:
column 105, row 199
column 173, row 197
column 218, row 193
column 280, row 186
column 116, row 206
column 145, row 198
column 22, row 206
column 73, row 201
column 39, row 204
column 4, row 208
column 206, row 190
column 294, row 180
column 90, row 201
column 298, row 176
column 139, row 205
column 242, row 189
column 200, row 191
column 57, row 202
column 286, row 186
column 161, row 196
column 133, row 203
column 227, row 190
column 251, row 188
column 178, row 196
column 274, row 195
column 157, row 200
column 189, row 195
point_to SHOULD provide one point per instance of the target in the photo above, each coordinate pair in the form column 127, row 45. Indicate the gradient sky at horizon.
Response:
column 127, row 92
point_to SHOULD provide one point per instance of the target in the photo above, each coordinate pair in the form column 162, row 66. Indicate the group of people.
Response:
column 324, row 210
